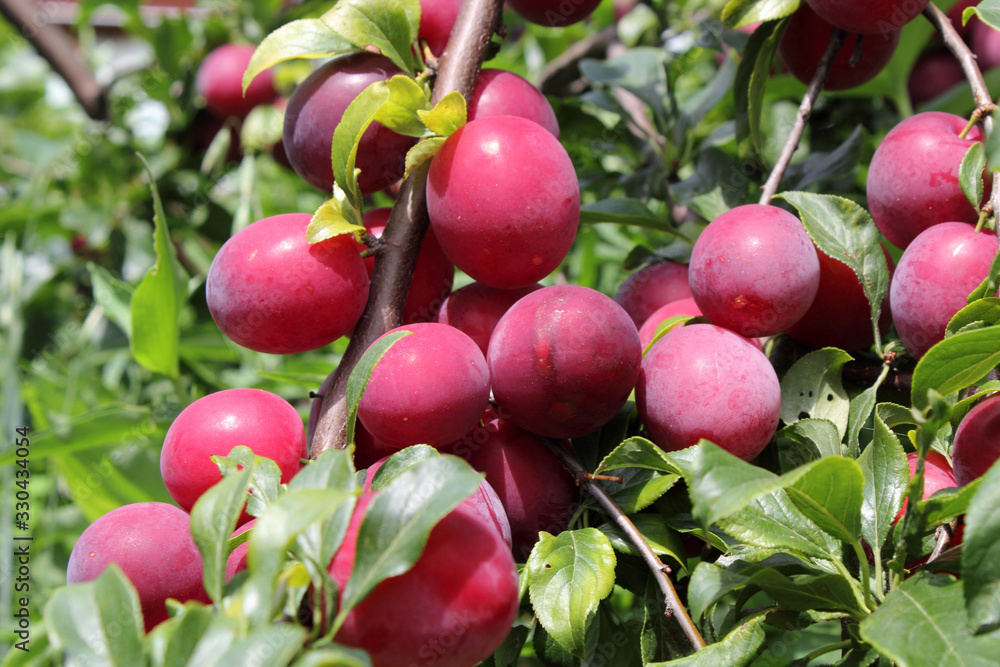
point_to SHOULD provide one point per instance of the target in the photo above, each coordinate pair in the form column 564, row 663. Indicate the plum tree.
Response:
column 977, row 441
column 754, row 270
column 437, row 18
column 913, row 177
column 214, row 424
column 681, row 307
column 564, row 360
column 452, row 609
column 840, row 315
column 504, row 201
column 705, row 381
column 433, row 274
column 806, row 38
column 502, row 93
column 430, row 388
column 220, row 81
column 271, row 291
column 875, row 16
column 553, row 13
column 476, row 308
column 651, row 287
column 314, row 111
column 933, row 280
column 535, row 489
column 151, row 542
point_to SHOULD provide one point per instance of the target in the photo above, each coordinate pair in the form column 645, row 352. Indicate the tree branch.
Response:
column 61, row 53
column 458, row 68
column 805, row 110
column 673, row 603
column 955, row 44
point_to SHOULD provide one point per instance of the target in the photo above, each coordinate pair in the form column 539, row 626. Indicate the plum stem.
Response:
column 837, row 38
column 674, row 607
column 955, row 44
column 404, row 231
column 61, row 53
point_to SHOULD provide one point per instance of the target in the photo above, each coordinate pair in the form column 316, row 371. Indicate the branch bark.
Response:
column 955, row 44
column 61, row 53
column 458, row 68
column 805, row 110
column 675, row 608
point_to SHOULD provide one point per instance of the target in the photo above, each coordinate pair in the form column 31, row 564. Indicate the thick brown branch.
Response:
column 675, row 608
column 805, row 110
column 458, row 68
column 955, row 44
column 61, row 52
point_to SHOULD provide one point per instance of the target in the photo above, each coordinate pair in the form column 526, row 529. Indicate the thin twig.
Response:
column 955, row 44
column 673, row 603
column 805, row 110
column 943, row 536
column 61, row 53
column 404, row 231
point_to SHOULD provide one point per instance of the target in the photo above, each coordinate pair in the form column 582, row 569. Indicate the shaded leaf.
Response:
column 638, row 453
column 422, row 153
column 970, row 173
column 389, row 25
column 812, row 388
column 737, row 649
column 886, row 473
column 213, row 520
column 981, row 554
column 955, row 363
column 362, row 373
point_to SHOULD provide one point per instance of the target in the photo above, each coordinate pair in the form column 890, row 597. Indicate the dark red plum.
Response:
column 754, row 270
column 977, row 441
column 152, row 544
column 934, row 73
column 220, row 81
column 933, row 280
column 651, row 287
column 937, row 475
column 504, row 201
column 271, row 291
column 437, row 18
column 476, row 308
column 452, row 609
column 430, row 388
column 913, row 178
column 873, row 16
column 314, row 111
column 840, row 315
column 564, row 360
column 214, row 424
column 553, row 13
column 432, row 276
column 704, row 381
column 985, row 43
column 805, row 42
column 502, row 93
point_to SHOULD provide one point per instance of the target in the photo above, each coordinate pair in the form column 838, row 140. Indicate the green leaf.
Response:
column 335, row 656
column 752, row 76
column 184, row 638
column 157, row 301
column 447, row 116
column 923, row 622
column 886, row 473
column 213, row 520
column 280, row 643
column 362, row 373
column 113, row 295
column 401, row 113
column 399, row 463
column 358, row 116
column 845, row 231
column 98, row 622
column 989, row 285
column 970, row 173
column 639, row 453
column 335, row 217
column 982, row 312
column 947, row 504
column 262, row 128
column 627, row 212
column 812, row 389
column 304, row 38
column 389, row 25
column 988, row 12
column 399, row 519
column 809, row 439
column 662, row 540
column 638, row 489
column 955, row 363
column 822, row 592
column 264, row 482
column 508, row 654
column 722, row 484
column 740, row 13
column 665, row 327
column 774, row 522
column 738, row 649
column 568, row 576
column 981, row 554
column 830, row 492
column 422, row 153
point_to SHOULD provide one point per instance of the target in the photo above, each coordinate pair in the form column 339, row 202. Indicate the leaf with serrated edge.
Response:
column 722, row 484
column 638, row 453
column 886, row 473
column 815, row 437
column 265, row 481
column 362, row 373
column 923, row 622
column 334, row 218
column 830, row 492
column 985, row 311
column 955, row 363
column 813, row 388
column 845, row 231
column 422, row 153
column 569, row 575
column 447, row 116
column 981, row 554
column 304, row 38
column 213, row 520
column 661, row 539
column 774, row 522
column 401, row 113
column 389, row 25
column 970, row 173
column 738, row 649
